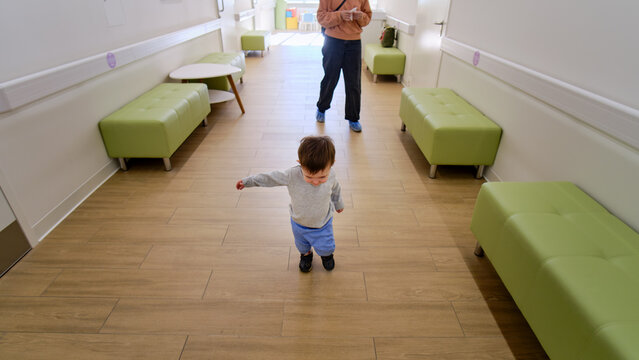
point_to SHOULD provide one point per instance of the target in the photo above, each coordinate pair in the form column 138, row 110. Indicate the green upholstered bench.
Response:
column 256, row 40
column 384, row 61
column 231, row 58
column 447, row 129
column 570, row 265
column 156, row 123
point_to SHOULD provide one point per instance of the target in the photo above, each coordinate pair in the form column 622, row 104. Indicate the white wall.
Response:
column 249, row 24
column 51, row 152
column 589, row 44
column 39, row 34
column 405, row 10
column 541, row 142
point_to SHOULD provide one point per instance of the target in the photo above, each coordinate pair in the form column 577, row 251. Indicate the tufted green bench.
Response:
column 384, row 61
column 156, row 123
column 231, row 58
column 257, row 40
column 447, row 129
column 570, row 265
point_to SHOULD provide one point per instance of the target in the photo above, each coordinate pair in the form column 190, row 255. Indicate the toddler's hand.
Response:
column 339, row 210
column 239, row 185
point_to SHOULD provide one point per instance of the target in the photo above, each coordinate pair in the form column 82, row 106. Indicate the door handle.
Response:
column 441, row 28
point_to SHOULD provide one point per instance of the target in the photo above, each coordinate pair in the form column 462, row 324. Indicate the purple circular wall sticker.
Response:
column 476, row 58
column 111, row 60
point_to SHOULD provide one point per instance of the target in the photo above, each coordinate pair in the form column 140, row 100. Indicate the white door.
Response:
column 230, row 37
column 428, row 37
column 265, row 15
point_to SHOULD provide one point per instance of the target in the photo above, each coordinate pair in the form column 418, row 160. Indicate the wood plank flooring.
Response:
column 180, row 265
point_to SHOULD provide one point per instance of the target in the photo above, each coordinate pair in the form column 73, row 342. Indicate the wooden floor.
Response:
column 180, row 265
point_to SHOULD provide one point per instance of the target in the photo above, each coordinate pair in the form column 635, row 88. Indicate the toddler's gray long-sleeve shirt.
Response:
column 311, row 206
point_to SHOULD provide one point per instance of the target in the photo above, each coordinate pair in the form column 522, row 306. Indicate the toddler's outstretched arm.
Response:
column 270, row 179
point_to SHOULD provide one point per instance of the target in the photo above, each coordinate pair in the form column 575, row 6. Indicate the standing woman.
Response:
column 342, row 51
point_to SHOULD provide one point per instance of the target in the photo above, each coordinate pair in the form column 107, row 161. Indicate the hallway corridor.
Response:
column 180, row 265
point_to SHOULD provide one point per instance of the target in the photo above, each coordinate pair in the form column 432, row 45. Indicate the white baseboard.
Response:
column 71, row 202
column 491, row 176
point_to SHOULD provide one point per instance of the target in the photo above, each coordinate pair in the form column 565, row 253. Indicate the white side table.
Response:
column 208, row 70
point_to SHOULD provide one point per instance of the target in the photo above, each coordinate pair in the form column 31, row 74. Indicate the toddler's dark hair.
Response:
column 316, row 153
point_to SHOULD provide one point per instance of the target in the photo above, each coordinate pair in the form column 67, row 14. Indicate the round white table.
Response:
column 207, row 70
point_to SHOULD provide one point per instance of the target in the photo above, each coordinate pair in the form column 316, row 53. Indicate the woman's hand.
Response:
column 346, row 15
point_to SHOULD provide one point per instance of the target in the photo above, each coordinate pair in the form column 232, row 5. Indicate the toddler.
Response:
column 315, row 194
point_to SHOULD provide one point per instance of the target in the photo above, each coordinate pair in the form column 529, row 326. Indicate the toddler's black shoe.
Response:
column 306, row 262
column 328, row 262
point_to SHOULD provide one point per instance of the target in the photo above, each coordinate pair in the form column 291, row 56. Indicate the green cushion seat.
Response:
column 384, row 60
column 231, row 58
column 570, row 265
column 257, row 40
column 447, row 129
column 156, row 123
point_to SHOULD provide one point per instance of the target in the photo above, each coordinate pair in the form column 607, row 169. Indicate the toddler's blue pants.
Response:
column 320, row 239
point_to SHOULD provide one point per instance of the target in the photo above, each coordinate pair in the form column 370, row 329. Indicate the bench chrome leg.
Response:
column 399, row 78
column 403, row 127
column 480, row 172
column 479, row 252
column 433, row 171
column 374, row 78
column 167, row 164
column 205, row 122
column 122, row 164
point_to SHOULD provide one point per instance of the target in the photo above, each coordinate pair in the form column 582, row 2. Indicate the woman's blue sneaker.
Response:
column 355, row 126
column 319, row 116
